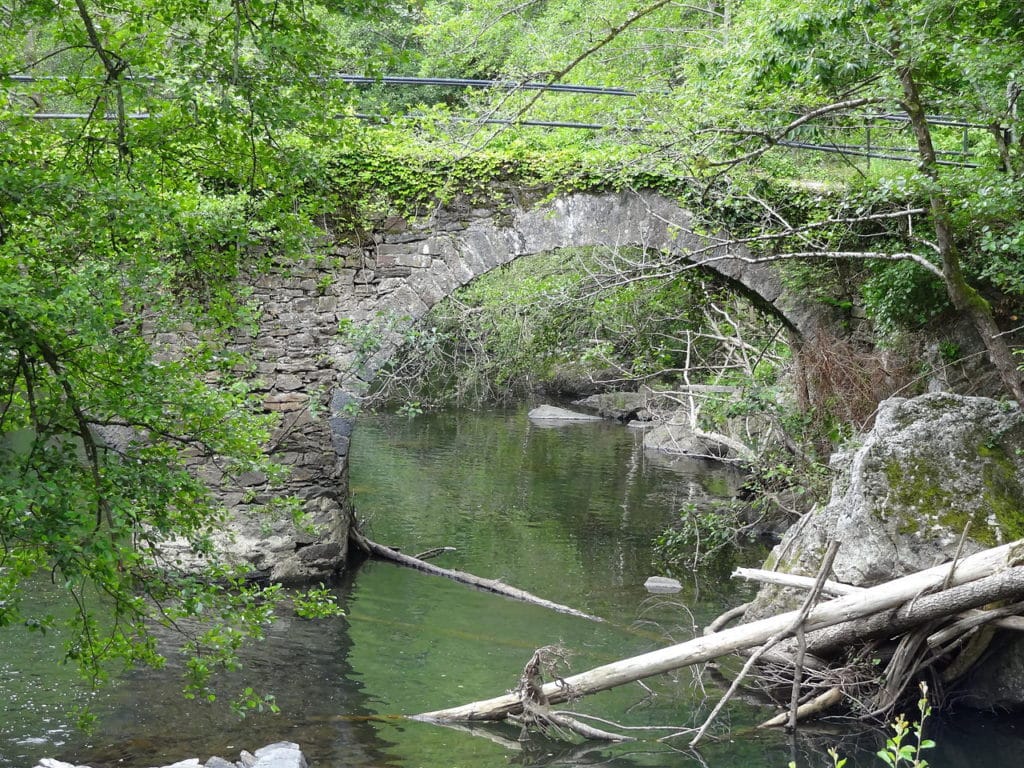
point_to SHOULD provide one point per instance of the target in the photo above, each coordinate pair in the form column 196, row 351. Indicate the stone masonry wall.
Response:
column 385, row 280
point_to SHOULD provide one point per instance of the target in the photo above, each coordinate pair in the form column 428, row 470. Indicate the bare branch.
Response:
column 770, row 140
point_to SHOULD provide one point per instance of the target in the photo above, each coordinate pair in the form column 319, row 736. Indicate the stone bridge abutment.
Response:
column 313, row 375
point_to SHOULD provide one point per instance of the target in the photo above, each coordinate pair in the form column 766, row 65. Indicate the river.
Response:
column 568, row 513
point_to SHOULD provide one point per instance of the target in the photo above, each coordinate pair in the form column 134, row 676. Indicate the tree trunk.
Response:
column 964, row 297
column 1005, row 585
column 874, row 600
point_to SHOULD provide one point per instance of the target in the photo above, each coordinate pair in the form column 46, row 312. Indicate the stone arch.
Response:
column 313, row 376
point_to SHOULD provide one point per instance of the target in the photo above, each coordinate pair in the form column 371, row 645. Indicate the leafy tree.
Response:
column 923, row 57
column 114, row 230
column 722, row 88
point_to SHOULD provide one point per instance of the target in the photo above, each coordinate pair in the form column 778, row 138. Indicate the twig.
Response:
column 812, row 598
column 726, row 618
column 433, row 552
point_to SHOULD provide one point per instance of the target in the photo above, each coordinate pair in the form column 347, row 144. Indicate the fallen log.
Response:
column 701, row 649
column 949, row 603
column 487, row 585
column 1000, row 619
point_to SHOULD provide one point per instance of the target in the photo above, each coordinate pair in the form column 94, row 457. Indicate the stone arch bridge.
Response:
column 310, row 375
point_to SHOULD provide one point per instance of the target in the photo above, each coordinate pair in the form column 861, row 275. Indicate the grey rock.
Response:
column 283, row 754
column 662, row 585
column 676, row 437
column 553, row 413
column 621, row 406
column 930, row 466
column 218, row 762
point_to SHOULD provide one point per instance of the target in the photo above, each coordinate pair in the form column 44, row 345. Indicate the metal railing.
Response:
column 867, row 125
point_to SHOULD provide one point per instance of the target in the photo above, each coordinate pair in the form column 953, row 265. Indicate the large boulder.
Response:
column 932, row 469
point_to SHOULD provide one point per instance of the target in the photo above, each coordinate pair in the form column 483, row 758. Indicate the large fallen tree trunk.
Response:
column 1004, row 585
column 884, row 597
column 488, row 585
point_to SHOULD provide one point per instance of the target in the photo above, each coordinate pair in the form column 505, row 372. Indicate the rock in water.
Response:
column 281, row 754
column 662, row 585
column 553, row 413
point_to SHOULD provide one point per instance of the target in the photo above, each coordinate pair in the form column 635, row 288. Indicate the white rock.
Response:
column 662, row 585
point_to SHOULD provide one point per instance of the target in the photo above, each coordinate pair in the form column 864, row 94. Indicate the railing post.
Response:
column 867, row 140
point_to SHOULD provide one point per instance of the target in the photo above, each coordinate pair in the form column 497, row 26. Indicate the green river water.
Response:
column 567, row 513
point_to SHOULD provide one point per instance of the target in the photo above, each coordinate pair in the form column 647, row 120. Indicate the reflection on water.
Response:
column 565, row 513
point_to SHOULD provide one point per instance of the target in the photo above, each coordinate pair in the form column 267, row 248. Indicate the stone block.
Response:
column 394, row 225
column 250, row 479
column 288, row 382
column 285, row 402
column 394, row 272
column 414, row 260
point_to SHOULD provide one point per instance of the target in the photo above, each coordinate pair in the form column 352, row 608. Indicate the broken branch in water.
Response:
column 374, row 549
column 433, row 552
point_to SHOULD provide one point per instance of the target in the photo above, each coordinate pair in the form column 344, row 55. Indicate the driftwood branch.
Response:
column 780, row 579
column 820, row 703
column 487, row 585
column 995, row 563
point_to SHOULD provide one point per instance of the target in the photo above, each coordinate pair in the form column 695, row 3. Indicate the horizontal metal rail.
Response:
column 865, row 150
column 444, row 82
column 870, row 155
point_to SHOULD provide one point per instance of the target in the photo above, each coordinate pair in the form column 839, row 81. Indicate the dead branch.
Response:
column 726, row 619
column 815, row 706
column 797, row 625
column 487, row 585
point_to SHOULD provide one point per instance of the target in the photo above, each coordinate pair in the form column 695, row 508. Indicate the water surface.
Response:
column 566, row 513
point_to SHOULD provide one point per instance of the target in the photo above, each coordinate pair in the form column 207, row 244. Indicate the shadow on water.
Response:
column 568, row 514
column 144, row 721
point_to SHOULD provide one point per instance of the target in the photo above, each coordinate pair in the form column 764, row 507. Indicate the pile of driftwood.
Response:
column 927, row 621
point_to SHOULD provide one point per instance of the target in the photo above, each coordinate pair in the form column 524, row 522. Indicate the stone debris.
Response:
column 281, row 754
